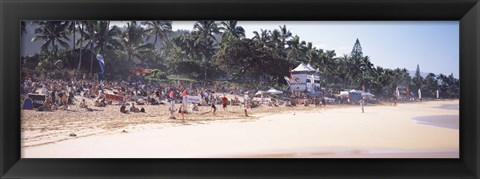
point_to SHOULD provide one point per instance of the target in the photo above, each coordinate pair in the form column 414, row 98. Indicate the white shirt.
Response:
column 44, row 91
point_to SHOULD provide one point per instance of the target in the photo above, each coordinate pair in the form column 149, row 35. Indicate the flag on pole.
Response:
column 397, row 91
column 101, row 62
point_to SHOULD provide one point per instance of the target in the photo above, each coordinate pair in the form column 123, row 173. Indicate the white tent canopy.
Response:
column 260, row 92
column 274, row 91
column 343, row 93
column 362, row 92
column 303, row 67
column 310, row 67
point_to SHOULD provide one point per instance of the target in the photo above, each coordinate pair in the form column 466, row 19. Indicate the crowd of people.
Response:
column 62, row 94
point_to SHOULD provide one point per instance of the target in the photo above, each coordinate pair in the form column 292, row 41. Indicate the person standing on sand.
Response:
column 224, row 102
column 214, row 108
column 172, row 98
column 362, row 104
column 184, row 98
column 246, row 101
column 394, row 101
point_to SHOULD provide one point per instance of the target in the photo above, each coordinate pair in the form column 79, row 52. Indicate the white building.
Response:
column 304, row 79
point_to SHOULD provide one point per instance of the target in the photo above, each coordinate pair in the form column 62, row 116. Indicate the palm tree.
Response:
column 285, row 34
column 328, row 59
column 275, row 40
column 80, row 42
column 343, row 69
column 53, row 33
column 262, row 37
column 159, row 29
column 231, row 28
column 132, row 41
column 206, row 30
column 294, row 49
column 89, row 35
column 72, row 29
column 106, row 37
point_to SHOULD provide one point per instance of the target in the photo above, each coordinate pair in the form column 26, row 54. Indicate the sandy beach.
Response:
column 410, row 130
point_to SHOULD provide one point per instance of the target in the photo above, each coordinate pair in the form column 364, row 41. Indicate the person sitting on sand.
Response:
column 99, row 103
column 133, row 108
column 65, row 101
column 123, row 109
column 193, row 107
column 83, row 104
column 142, row 110
column 305, row 102
column 47, row 105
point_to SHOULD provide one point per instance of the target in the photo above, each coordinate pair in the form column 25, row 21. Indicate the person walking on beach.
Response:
column 394, row 101
column 184, row 98
column 214, row 108
column 247, row 103
column 323, row 102
column 172, row 98
column 362, row 104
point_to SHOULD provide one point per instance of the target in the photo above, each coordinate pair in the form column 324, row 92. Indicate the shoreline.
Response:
column 286, row 134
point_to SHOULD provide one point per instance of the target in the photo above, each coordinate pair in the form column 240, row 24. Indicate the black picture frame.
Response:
column 467, row 12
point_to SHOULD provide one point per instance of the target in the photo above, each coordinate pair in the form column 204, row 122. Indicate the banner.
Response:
column 101, row 62
column 264, row 99
column 37, row 99
column 193, row 99
column 113, row 97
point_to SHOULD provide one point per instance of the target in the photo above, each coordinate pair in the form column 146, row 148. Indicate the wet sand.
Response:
column 336, row 132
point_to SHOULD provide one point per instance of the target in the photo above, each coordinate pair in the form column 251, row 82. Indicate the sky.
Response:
column 433, row 45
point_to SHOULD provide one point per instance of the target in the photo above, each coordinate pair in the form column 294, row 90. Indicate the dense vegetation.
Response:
column 215, row 51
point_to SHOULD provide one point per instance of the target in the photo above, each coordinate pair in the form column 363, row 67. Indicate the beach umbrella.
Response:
column 260, row 92
column 274, row 91
column 367, row 94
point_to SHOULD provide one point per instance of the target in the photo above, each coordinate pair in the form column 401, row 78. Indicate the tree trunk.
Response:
column 81, row 43
column 155, row 42
column 91, row 58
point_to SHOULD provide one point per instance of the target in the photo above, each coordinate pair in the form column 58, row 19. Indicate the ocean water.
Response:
column 450, row 106
column 444, row 121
